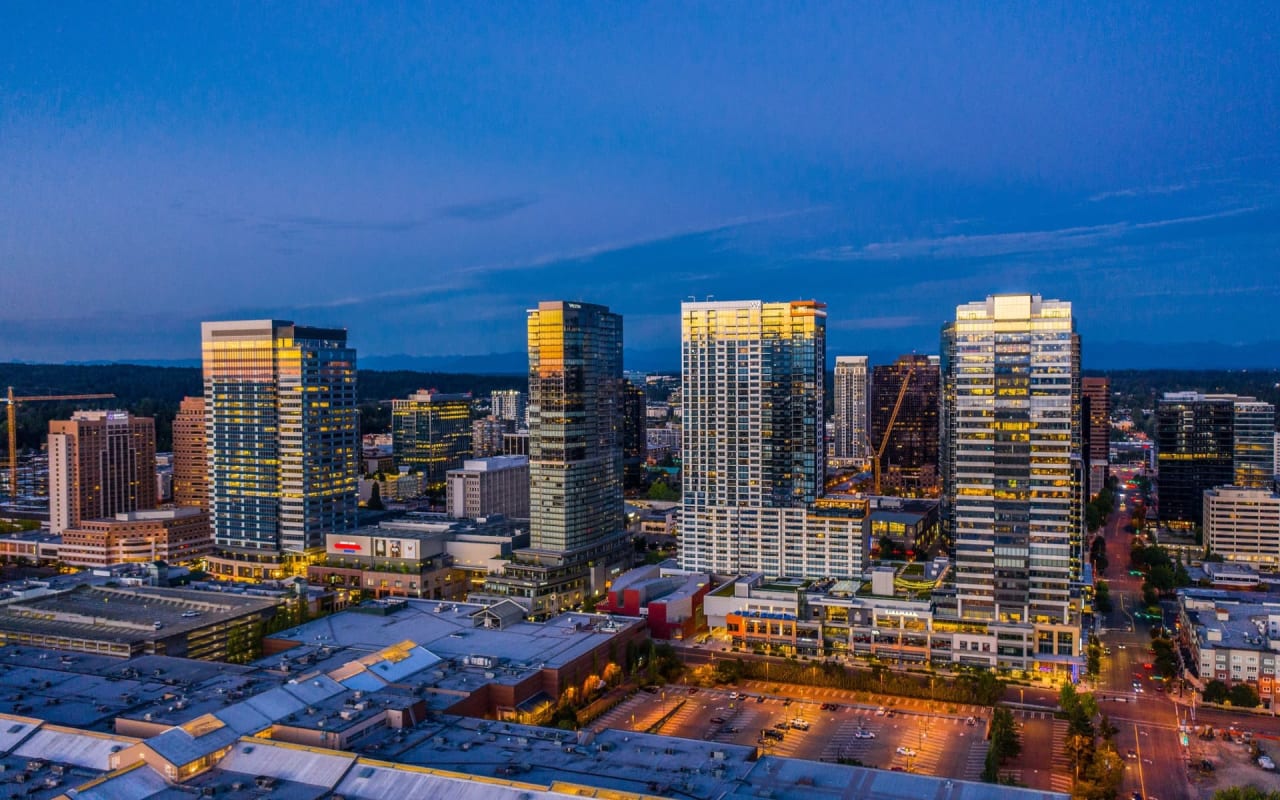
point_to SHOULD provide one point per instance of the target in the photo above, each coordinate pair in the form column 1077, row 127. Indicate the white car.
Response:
column 881, row 711
column 906, row 751
column 864, row 735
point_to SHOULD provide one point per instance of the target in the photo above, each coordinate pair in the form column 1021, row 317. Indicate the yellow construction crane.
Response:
column 893, row 418
column 13, row 426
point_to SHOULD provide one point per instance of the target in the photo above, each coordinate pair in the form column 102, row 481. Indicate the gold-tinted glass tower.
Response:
column 282, row 434
column 575, row 425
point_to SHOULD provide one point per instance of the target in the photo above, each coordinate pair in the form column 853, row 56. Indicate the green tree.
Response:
column 1101, row 778
column 1161, row 578
column 1004, row 744
column 1093, row 660
column 1246, row 793
column 886, row 547
column 1180, row 575
column 1243, row 695
column 1215, row 691
column 1093, row 518
column 661, row 490
column 1102, row 597
column 375, row 498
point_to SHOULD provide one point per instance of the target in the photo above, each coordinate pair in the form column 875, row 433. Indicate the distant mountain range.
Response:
column 1097, row 356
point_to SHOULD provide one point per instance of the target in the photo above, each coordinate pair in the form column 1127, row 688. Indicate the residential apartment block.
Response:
column 753, row 444
column 1013, row 478
column 190, row 455
column 851, row 402
column 101, row 463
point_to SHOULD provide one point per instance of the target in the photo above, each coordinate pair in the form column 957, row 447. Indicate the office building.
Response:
column 431, row 432
column 851, row 402
column 510, row 405
column 575, row 414
column 1208, row 440
column 515, row 444
column 1095, row 398
column 283, row 442
column 635, row 441
column 1243, row 525
column 485, row 486
column 753, row 445
column 1253, row 443
column 101, row 463
column 1013, row 496
column 190, row 451
column 905, row 393
column 578, row 538
column 172, row 535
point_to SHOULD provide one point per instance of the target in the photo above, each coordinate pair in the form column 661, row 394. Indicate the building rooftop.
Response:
column 1236, row 620
column 449, row 631
column 125, row 615
column 492, row 464
column 152, row 514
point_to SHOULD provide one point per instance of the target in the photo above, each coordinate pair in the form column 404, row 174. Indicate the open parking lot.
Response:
column 912, row 739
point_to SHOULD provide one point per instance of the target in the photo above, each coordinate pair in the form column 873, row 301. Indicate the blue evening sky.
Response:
column 422, row 173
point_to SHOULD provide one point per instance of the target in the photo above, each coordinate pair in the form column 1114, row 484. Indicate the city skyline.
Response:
column 893, row 164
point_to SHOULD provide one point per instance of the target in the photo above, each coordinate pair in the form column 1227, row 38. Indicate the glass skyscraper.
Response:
column 909, row 465
column 431, row 431
column 282, row 434
column 575, row 425
column 1208, row 440
column 1011, row 462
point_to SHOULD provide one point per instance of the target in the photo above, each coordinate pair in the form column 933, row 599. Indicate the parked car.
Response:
column 881, row 711
column 906, row 751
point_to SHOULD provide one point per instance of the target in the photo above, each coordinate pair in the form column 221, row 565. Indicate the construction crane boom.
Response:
column 893, row 418
column 12, row 402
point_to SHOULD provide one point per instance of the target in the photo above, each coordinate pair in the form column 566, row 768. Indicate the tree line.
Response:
column 156, row 392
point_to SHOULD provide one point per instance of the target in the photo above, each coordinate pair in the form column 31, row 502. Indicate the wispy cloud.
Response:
column 457, row 280
column 1012, row 243
column 291, row 225
column 320, row 223
column 487, row 210
column 1141, row 191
